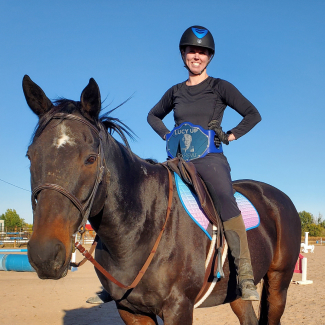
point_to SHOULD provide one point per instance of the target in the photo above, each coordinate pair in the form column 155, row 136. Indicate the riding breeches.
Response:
column 215, row 171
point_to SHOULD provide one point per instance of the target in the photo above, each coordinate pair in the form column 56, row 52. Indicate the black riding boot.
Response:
column 235, row 233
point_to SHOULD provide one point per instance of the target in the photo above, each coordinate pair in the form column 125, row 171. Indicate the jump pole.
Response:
column 13, row 250
column 14, row 262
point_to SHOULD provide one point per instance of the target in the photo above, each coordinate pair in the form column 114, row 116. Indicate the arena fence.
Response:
column 19, row 237
column 314, row 240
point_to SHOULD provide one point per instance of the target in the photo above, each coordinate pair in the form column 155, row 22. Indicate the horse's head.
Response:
column 66, row 166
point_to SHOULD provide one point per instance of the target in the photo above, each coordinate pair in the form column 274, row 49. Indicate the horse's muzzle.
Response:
column 48, row 258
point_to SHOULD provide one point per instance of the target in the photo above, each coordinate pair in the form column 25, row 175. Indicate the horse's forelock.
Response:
column 63, row 105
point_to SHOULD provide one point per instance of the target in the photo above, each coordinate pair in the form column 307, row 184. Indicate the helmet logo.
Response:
column 199, row 32
column 199, row 41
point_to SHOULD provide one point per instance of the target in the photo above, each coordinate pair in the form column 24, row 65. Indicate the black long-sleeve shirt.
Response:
column 202, row 103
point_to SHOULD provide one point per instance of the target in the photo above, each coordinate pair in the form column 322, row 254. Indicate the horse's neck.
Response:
column 135, row 191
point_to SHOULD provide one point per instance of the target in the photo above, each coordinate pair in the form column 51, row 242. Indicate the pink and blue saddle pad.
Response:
column 192, row 206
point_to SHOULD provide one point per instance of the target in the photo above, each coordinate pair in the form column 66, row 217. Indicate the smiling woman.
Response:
column 202, row 100
column 196, row 60
column 197, row 50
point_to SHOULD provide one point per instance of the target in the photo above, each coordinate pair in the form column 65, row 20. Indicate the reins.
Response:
column 144, row 268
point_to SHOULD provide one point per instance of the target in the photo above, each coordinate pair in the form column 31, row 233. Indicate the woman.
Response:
column 201, row 100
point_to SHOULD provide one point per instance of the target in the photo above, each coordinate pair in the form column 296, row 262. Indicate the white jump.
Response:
column 301, row 267
column 305, row 246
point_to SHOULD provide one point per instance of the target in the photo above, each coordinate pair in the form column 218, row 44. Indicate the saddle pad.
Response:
column 192, row 206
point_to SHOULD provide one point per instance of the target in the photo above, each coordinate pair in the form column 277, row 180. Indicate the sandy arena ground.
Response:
column 27, row 300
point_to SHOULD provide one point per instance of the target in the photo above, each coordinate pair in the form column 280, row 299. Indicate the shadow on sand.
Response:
column 104, row 314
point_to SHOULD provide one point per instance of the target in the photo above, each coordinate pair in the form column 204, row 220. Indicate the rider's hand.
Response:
column 220, row 136
column 165, row 136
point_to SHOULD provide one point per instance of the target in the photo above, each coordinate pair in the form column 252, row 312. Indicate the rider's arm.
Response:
column 233, row 98
column 159, row 111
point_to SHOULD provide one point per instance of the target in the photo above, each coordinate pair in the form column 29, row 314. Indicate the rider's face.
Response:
column 196, row 58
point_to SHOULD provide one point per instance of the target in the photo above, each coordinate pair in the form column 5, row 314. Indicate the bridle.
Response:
column 86, row 207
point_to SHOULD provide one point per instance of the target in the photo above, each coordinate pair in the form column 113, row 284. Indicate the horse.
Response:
column 79, row 171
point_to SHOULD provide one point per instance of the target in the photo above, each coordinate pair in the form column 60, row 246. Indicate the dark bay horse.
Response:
column 127, row 206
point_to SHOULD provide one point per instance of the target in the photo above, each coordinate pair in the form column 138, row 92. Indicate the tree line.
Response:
column 315, row 226
column 12, row 221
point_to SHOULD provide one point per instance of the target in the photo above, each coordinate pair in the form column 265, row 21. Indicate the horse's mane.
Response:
column 113, row 124
column 63, row 105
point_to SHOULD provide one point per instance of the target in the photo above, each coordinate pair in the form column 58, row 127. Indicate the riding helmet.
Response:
column 197, row 36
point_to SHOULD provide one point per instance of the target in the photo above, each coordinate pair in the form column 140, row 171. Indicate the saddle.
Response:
column 187, row 172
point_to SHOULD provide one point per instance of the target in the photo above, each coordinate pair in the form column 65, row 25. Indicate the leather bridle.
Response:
column 86, row 207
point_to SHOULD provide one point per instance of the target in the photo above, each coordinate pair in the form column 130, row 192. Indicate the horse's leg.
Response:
column 274, row 296
column 244, row 311
column 133, row 319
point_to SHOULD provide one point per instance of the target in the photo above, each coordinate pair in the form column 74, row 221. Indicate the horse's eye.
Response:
column 91, row 160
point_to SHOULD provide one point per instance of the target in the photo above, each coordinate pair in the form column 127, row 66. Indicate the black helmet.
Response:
column 197, row 36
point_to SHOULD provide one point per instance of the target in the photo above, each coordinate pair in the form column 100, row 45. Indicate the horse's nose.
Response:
column 48, row 257
column 58, row 254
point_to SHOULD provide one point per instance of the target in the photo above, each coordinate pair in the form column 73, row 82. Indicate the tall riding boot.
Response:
column 235, row 233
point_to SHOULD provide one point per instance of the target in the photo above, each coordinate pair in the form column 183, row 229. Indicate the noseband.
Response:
column 83, row 208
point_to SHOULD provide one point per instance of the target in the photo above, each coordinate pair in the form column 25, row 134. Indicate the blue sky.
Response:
column 272, row 51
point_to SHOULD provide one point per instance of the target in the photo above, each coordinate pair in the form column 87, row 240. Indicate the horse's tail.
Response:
column 263, row 308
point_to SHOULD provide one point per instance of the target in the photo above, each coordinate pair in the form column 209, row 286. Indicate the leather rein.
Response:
column 144, row 268
column 86, row 208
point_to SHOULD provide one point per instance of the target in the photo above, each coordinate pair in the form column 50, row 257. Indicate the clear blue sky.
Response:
column 272, row 51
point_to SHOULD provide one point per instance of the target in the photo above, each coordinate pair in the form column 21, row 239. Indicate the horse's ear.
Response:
column 90, row 99
column 35, row 97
